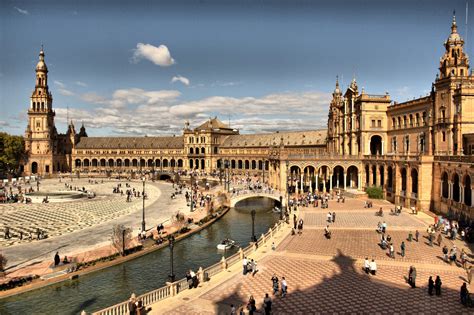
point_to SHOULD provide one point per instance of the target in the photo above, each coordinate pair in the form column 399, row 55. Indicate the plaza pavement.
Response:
column 326, row 276
column 87, row 224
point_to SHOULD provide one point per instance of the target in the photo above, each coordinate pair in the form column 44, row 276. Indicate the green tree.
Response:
column 12, row 153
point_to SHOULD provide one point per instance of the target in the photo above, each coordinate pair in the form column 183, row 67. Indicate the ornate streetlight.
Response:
column 143, row 209
column 281, row 207
column 252, row 213
column 191, row 197
column 287, row 187
column 171, row 245
column 226, row 164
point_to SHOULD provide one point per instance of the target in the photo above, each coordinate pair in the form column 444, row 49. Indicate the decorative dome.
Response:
column 41, row 65
column 454, row 36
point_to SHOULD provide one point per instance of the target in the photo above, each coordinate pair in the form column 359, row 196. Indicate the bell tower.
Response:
column 454, row 61
column 41, row 131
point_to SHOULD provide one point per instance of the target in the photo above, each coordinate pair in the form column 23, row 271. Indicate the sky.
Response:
column 135, row 68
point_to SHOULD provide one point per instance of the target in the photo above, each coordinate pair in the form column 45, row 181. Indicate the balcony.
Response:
column 443, row 121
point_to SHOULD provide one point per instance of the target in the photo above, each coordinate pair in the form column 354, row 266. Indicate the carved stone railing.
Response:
column 172, row 289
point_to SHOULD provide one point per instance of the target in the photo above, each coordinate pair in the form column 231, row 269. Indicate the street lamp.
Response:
column 252, row 213
column 281, row 207
column 143, row 209
column 287, row 187
column 226, row 164
column 171, row 245
column 191, row 201
column 220, row 172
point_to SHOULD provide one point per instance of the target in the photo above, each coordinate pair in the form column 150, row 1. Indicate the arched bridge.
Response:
column 235, row 198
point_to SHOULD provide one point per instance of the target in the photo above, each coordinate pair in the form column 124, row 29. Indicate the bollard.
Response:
column 200, row 274
column 263, row 239
column 271, row 232
column 223, row 263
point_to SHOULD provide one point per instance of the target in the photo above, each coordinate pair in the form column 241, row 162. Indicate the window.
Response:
column 379, row 123
column 444, row 136
column 393, row 123
column 373, row 123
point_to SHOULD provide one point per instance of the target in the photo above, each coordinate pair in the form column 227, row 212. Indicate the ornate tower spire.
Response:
column 455, row 61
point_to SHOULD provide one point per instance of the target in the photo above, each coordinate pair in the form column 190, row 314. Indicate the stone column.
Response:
column 359, row 181
column 330, row 182
column 472, row 195
column 461, row 193
column 381, row 148
column 301, row 184
column 317, row 184
column 450, row 190
column 345, row 180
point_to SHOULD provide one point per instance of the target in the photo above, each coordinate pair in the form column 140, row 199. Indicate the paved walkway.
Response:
column 326, row 276
column 160, row 207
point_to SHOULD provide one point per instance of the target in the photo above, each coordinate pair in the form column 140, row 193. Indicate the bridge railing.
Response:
column 172, row 289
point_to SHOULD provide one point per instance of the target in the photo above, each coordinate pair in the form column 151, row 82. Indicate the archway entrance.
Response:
column 376, row 145
column 34, row 168
column 352, row 177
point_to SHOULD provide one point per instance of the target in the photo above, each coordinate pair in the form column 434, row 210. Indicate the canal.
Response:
column 115, row 284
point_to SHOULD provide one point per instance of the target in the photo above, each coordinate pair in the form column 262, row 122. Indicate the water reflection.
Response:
column 115, row 284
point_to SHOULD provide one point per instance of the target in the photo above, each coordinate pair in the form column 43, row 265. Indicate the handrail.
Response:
column 174, row 288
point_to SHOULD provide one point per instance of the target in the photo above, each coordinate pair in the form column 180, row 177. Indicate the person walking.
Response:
column 412, row 277
column 366, row 265
column 438, row 284
column 244, row 265
column 391, row 251
column 57, row 260
column 430, row 285
column 402, row 249
column 333, row 217
column 284, row 287
column 417, row 235
column 267, row 304
column 275, row 284
column 373, row 267
column 251, row 306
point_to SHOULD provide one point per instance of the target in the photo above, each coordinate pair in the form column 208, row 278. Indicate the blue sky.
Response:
column 266, row 65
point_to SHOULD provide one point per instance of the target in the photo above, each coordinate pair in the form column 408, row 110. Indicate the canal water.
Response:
column 115, row 284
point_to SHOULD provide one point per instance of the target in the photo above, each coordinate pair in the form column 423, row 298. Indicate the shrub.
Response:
column 374, row 192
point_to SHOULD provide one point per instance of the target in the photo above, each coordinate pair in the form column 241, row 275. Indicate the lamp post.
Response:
column 281, row 209
column 153, row 169
column 252, row 213
column 287, row 187
column 191, row 201
column 171, row 245
column 226, row 164
column 220, row 172
column 143, row 209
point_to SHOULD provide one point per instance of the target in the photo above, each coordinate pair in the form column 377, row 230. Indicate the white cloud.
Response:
column 181, row 79
column 81, row 83
column 59, row 83
column 160, row 55
column 21, row 11
column 62, row 88
column 137, row 111
column 65, row 92
column 134, row 96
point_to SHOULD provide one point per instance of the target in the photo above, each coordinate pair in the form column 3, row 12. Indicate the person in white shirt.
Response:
column 366, row 265
column 373, row 267
column 284, row 287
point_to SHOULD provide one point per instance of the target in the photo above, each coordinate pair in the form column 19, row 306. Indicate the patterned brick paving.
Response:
column 325, row 277
column 337, row 286
column 61, row 218
column 363, row 243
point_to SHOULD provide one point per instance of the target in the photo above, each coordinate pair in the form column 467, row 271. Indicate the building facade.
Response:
column 419, row 152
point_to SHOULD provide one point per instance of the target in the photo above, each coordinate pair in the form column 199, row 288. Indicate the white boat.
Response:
column 226, row 244
column 276, row 209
